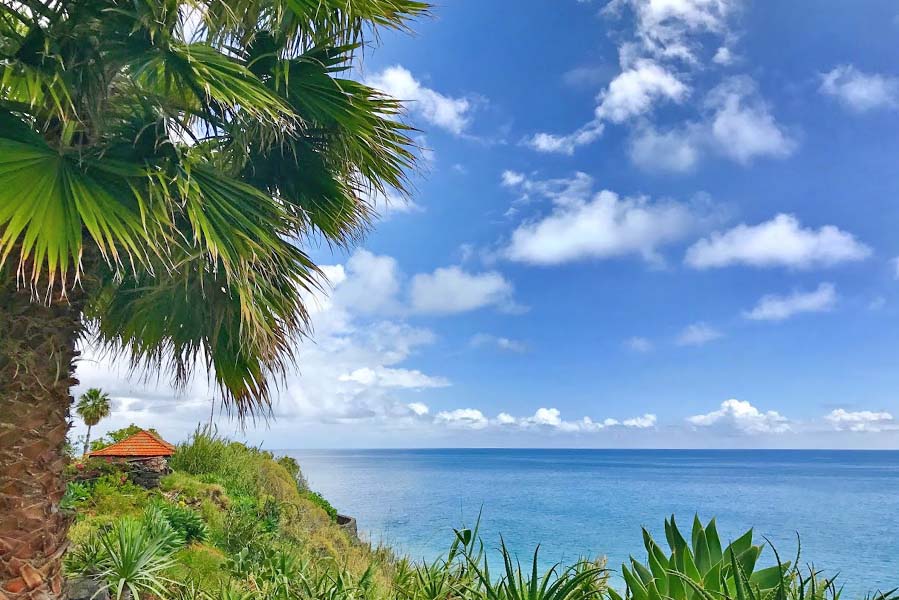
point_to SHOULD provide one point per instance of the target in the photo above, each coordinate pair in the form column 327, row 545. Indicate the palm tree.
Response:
column 92, row 407
column 162, row 165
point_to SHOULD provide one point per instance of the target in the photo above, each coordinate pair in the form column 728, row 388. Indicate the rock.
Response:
column 87, row 589
column 348, row 524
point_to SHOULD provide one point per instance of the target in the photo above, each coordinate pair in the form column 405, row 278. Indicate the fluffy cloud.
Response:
column 583, row 225
column 736, row 124
column 667, row 28
column 566, row 144
column 859, row 91
column 367, row 284
column 451, row 290
column 777, row 308
column 393, row 378
column 370, row 284
column 675, row 150
column 502, row 343
column 863, row 420
column 419, row 408
column 742, row 417
column 634, row 91
column 698, row 334
column 451, row 114
column 467, row 418
column 655, row 67
column 638, row 344
column 742, row 125
column 782, row 241
column 631, row 93
column 551, row 419
column 642, row 422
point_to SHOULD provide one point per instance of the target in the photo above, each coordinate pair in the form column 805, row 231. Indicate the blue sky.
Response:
column 655, row 223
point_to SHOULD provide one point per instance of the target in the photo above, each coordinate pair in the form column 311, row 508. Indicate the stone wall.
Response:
column 348, row 524
column 147, row 472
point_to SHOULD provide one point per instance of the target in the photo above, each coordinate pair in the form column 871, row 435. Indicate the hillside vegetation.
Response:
column 236, row 523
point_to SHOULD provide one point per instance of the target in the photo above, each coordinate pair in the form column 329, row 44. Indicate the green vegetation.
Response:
column 235, row 523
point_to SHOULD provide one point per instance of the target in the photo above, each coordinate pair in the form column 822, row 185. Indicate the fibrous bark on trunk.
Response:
column 37, row 353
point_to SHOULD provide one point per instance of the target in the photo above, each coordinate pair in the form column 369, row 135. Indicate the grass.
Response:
column 241, row 524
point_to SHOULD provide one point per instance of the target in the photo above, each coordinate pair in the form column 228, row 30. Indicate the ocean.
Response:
column 844, row 505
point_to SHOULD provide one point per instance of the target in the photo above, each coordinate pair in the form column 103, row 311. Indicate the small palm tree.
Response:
column 92, row 407
column 163, row 165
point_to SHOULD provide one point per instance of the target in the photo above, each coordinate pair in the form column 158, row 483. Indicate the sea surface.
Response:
column 843, row 504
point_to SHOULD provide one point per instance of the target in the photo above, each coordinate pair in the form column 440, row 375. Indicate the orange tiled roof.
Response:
column 142, row 443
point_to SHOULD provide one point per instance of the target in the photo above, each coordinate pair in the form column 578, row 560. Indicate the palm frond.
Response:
column 48, row 201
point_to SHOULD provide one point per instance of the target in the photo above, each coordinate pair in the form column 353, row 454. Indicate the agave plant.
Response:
column 135, row 561
column 556, row 583
column 702, row 568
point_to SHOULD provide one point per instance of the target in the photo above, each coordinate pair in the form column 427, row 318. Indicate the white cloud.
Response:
column 657, row 65
column 859, row 91
column 451, row 114
column 451, row 290
column 642, row 422
column 742, row 125
column 743, row 417
column 631, row 93
column 634, row 91
column 467, row 418
column 777, row 308
column 368, row 284
column 778, row 242
column 698, row 334
column 863, row 420
column 676, row 150
column 551, row 419
column 419, row 408
column 723, row 56
column 502, row 343
column 566, row 144
column 638, row 344
column 666, row 28
column 393, row 378
column 603, row 225
column 512, row 178
column 736, row 124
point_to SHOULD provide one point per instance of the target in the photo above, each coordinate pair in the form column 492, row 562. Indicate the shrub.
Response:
column 116, row 496
column 320, row 501
column 200, row 564
column 203, row 452
column 77, row 494
column 186, row 522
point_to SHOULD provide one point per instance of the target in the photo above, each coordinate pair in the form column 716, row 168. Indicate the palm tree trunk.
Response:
column 37, row 354
column 87, row 439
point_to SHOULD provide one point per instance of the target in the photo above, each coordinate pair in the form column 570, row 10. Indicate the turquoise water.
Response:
column 844, row 505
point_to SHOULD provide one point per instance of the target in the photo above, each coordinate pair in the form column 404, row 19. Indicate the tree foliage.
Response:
column 168, row 160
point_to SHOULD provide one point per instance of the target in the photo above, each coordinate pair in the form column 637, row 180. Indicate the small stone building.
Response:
column 145, row 454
